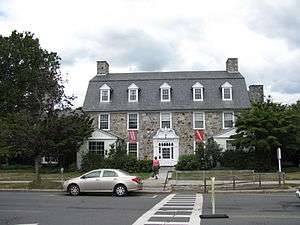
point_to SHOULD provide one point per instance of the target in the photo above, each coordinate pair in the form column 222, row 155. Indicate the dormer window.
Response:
column 165, row 92
column 133, row 93
column 105, row 93
column 226, row 91
column 197, row 92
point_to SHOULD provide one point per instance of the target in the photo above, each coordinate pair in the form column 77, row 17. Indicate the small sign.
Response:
column 278, row 153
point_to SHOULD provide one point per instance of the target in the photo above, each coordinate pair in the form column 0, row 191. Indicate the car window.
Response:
column 93, row 174
column 124, row 173
column 109, row 173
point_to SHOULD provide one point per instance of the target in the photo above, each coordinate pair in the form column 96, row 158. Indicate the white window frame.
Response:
column 223, row 119
column 194, row 121
column 170, row 119
column 99, row 120
column 134, row 88
column 138, row 120
column 197, row 86
column 226, row 85
column 167, row 87
column 105, row 87
column 137, row 149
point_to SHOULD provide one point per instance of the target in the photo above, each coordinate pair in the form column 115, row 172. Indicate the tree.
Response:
column 213, row 152
column 33, row 102
column 264, row 128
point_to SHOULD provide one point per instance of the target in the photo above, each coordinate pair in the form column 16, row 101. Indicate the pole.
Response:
column 279, row 159
column 213, row 195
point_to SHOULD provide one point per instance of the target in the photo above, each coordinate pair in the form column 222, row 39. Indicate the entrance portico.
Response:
column 166, row 147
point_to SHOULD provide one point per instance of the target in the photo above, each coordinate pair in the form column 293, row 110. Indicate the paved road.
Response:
column 174, row 209
column 60, row 209
column 254, row 209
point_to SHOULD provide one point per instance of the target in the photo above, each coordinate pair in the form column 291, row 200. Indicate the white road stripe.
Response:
column 27, row 224
column 154, row 196
column 144, row 218
column 173, row 210
column 195, row 217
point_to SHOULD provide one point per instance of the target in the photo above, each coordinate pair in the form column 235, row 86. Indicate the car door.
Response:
column 91, row 181
column 109, row 179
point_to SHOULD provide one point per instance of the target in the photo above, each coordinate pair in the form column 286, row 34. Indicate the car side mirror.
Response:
column 83, row 177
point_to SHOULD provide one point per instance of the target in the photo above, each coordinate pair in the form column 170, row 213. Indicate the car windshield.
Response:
column 124, row 173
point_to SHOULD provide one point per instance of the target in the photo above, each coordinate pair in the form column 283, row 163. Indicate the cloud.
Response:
column 124, row 48
column 277, row 19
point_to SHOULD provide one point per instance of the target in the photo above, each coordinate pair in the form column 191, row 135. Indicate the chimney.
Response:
column 102, row 68
column 232, row 65
column 256, row 93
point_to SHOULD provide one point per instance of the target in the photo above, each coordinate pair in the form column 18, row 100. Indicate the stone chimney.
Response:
column 256, row 93
column 102, row 68
column 232, row 65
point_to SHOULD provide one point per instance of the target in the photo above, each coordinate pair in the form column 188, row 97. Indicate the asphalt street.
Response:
column 254, row 209
column 57, row 208
column 60, row 209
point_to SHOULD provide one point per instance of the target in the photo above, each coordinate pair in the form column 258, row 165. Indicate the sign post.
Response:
column 213, row 196
column 279, row 159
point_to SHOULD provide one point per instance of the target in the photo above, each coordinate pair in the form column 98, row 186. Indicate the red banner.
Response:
column 199, row 135
column 132, row 136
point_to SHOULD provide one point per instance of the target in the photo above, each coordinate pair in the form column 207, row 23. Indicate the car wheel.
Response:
column 120, row 190
column 74, row 190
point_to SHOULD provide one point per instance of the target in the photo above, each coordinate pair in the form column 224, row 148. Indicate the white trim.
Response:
column 137, row 149
column 160, row 124
column 100, row 121
column 203, row 114
column 134, row 88
column 108, row 96
column 197, row 86
column 226, row 85
column 194, row 95
column 223, row 121
column 167, row 87
column 138, row 121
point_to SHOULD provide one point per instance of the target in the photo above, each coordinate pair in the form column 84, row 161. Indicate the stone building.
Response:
column 163, row 114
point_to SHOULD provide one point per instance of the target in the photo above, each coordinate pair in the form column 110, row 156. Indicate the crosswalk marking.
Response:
column 174, row 209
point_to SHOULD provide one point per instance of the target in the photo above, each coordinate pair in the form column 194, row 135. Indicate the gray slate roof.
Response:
column 181, row 91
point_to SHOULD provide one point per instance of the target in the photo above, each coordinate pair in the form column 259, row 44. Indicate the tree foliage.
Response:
column 35, row 115
column 264, row 128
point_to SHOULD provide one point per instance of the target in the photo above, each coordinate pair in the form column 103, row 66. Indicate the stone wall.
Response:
column 149, row 123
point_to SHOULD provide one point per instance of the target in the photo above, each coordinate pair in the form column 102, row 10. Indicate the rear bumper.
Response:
column 135, row 186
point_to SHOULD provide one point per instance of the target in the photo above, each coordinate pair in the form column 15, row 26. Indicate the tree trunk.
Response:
column 37, row 161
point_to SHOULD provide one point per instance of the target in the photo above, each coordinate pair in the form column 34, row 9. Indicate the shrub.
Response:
column 188, row 162
column 238, row 159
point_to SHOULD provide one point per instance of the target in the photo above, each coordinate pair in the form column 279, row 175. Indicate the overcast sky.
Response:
column 163, row 35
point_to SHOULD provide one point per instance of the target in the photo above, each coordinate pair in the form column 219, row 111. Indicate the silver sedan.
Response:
column 104, row 180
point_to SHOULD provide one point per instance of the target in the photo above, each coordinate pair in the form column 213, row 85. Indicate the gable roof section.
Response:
column 181, row 90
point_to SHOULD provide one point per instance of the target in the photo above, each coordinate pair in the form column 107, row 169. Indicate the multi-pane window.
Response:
column 165, row 92
column 165, row 120
column 104, row 121
column 132, row 95
column 226, row 91
column 133, row 121
column 197, row 92
column 96, row 147
column 132, row 149
column 199, row 120
column 105, row 93
column 228, row 120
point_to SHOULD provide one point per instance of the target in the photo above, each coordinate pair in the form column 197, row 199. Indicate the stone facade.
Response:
column 256, row 93
column 149, row 123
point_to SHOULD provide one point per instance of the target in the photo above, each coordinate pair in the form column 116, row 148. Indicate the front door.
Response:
column 167, row 152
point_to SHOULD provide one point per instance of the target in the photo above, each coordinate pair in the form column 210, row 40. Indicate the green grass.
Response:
column 44, row 184
column 14, row 186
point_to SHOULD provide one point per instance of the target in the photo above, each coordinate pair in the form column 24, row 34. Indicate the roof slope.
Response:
column 181, row 91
